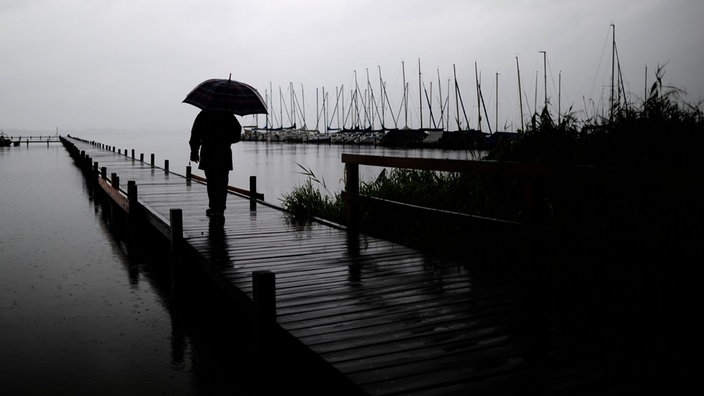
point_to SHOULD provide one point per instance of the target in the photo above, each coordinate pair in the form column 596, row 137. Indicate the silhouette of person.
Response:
column 212, row 134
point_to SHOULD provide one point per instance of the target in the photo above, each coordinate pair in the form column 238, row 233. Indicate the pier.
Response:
column 34, row 139
column 378, row 318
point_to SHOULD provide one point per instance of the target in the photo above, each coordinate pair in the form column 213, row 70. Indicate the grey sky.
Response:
column 77, row 64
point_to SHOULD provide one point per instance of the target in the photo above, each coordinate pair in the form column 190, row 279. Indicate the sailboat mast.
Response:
column 381, row 90
column 447, row 104
column 520, row 98
column 457, row 100
column 355, row 123
column 281, row 106
column 545, row 78
column 613, row 65
column 479, row 99
column 442, row 109
column 420, row 95
column 496, row 115
column 405, row 93
column 303, row 111
column 645, row 87
column 559, row 95
column 535, row 96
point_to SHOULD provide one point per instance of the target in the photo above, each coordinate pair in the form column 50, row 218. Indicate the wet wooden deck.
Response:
column 389, row 318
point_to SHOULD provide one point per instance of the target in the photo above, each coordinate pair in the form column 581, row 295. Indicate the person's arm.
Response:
column 195, row 141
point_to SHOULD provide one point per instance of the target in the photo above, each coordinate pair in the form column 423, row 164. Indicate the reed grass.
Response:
column 307, row 202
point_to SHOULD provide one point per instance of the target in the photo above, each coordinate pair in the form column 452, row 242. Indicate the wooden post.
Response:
column 141, row 157
column 152, row 160
column 115, row 181
column 188, row 172
column 104, row 172
column 252, row 193
column 166, row 166
column 352, row 188
column 176, row 219
column 132, row 153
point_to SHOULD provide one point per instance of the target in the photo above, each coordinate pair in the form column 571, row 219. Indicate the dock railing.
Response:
column 535, row 187
column 532, row 173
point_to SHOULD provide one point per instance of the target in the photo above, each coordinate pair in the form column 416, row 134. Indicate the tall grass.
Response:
column 307, row 202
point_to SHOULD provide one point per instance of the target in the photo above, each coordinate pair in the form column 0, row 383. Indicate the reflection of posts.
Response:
column 217, row 243
column 352, row 201
column 176, row 220
column 264, row 299
column 252, row 193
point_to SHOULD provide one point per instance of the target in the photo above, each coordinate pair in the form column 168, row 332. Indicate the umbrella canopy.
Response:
column 227, row 95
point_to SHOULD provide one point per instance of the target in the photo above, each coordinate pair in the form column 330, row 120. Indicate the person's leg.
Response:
column 223, row 182
column 217, row 189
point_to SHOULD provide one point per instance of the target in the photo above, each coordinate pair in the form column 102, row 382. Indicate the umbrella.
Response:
column 227, row 95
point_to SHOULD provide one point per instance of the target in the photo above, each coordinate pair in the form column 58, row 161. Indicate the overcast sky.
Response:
column 128, row 64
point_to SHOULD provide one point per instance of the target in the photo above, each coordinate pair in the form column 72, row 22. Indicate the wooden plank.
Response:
column 116, row 195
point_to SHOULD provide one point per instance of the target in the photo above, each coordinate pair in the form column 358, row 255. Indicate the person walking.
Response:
column 211, row 136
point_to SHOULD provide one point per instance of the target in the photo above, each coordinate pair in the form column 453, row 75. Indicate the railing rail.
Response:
column 533, row 178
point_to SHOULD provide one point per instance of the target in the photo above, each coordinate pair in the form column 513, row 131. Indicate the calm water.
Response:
column 78, row 316
column 276, row 165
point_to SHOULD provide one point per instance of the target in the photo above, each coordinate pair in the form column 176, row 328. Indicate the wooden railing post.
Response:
column 352, row 188
column 252, row 193
column 188, row 172
column 115, row 181
column 86, row 165
column 152, row 160
column 166, row 166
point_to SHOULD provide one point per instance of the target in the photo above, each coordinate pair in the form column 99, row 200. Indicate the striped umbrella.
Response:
column 227, row 95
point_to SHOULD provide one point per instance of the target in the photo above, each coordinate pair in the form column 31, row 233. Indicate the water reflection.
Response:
column 206, row 338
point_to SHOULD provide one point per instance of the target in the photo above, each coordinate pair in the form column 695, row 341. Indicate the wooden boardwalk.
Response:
column 388, row 318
